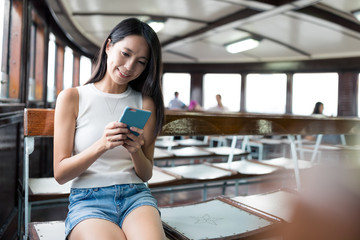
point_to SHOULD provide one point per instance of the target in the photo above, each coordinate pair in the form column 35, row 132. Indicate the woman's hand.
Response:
column 134, row 143
column 115, row 134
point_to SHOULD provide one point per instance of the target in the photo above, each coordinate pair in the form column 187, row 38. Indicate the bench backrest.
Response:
column 38, row 122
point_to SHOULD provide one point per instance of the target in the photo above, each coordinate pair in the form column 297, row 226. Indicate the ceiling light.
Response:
column 242, row 45
column 356, row 14
column 156, row 25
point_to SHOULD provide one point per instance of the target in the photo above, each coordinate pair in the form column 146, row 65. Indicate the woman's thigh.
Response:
column 143, row 223
column 95, row 228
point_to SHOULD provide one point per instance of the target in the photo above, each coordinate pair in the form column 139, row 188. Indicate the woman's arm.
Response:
column 141, row 148
column 66, row 166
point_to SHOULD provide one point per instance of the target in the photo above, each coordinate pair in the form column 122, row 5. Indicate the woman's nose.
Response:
column 130, row 65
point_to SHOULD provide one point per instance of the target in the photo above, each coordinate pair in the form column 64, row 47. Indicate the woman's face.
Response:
column 127, row 58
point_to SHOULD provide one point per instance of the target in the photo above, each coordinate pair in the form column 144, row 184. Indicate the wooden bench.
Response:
column 191, row 149
column 188, row 155
column 280, row 203
column 38, row 123
column 217, row 175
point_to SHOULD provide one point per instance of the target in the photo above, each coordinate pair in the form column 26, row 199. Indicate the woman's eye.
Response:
column 125, row 54
column 142, row 63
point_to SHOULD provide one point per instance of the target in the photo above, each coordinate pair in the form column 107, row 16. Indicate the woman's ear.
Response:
column 108, row 45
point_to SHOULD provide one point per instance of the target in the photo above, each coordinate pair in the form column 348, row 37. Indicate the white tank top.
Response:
column 96, row 110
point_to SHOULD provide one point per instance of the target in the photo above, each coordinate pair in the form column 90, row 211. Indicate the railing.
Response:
column 206, row 123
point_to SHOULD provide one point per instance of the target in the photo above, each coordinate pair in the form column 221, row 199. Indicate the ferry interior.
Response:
column 217, row 175
column 197, row 31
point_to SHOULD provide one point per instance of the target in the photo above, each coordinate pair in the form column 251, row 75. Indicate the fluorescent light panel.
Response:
column 242, row 45
column 357, row 14
column 157, row 26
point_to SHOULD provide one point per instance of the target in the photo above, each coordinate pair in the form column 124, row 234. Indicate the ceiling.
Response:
column 196, row 30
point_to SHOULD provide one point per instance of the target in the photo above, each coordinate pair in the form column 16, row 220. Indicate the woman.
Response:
column 319, row 108
column 107, row 163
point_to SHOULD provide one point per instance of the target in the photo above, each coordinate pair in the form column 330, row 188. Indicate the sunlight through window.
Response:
column 309, row 88
column 358, row 96
column 51, row 89
column 85, row 69
column 3, row 76
column 68, row 68
column 176, row 82
column 227, row 85
column 266, row 93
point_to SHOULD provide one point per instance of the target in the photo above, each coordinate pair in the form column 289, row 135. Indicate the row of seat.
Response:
column 257, row 146
column 39, row 123
column 328, row 209
column 165, row 177
column 218, row 218
column 184, row 177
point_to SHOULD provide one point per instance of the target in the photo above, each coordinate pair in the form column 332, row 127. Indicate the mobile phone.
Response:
column 134, row 117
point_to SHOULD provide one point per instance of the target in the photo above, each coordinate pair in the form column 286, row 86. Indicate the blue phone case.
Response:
column 134, row 117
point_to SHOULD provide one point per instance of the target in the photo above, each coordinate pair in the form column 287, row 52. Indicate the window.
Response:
column 85, row 69
column 2, row 9
column 176, row 82
column 32, row 83
column 3, row 76
column 266, row 93
column 358, row 96
column 68, row 68
column 51, row 89
column 227, row 85
column 309, row 88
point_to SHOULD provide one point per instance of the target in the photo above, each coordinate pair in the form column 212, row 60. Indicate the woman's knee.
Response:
column 143, row 223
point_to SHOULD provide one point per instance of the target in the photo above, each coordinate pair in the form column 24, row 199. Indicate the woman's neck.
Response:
column 110, row 87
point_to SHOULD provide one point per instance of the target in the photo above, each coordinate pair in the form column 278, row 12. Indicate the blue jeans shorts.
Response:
column 111, row 203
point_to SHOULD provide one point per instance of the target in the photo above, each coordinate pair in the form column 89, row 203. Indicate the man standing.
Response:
column 219, row 107
column 176, row 103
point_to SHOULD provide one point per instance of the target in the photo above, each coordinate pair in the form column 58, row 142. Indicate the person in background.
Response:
column 319, row 108
column 108, row 165
column 219, row 107
column 220, row 140
column 194, row 106
column 317, row 112
column 176, row 103
column 328, row 138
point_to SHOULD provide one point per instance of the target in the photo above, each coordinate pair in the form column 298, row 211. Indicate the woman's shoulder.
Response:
column 68, row 97
column 148, row 103
column 69, row 93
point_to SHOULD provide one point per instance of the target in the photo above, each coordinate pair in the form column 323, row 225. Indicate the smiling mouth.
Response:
column 123, row 75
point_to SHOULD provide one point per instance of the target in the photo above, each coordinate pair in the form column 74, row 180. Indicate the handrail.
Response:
column 206, row 123
column 183, row 123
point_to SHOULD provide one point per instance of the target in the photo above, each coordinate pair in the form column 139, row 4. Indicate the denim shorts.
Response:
column 111, row 203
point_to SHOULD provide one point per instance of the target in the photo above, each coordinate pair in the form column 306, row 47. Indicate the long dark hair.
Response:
column 317, row 108
column 149, row 82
